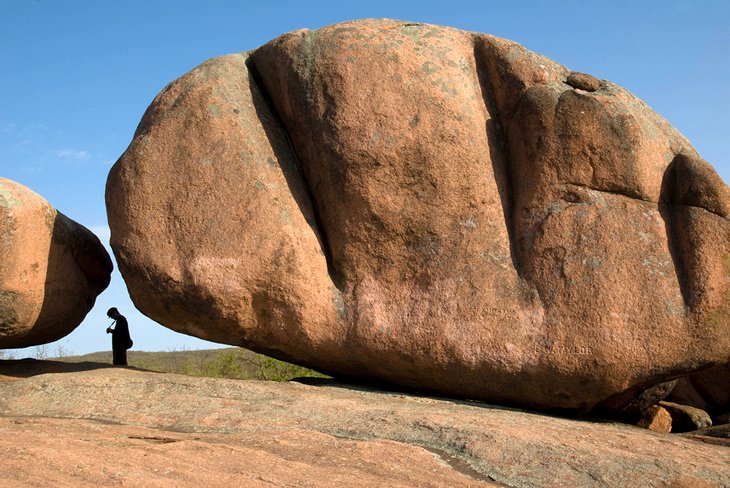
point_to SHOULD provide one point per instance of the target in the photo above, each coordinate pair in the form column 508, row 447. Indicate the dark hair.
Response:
column 112, row 311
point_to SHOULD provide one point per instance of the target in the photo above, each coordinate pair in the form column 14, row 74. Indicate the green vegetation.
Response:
column 232, row 362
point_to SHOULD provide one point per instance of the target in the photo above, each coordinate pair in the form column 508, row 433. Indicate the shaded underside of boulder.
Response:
column 708, row 390
column 51, row 269
column 431, row 208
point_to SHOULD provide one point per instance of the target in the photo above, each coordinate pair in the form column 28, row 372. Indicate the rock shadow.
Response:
column 26, row 368
column 498, row 153
column 398, row 391
column 671, row 211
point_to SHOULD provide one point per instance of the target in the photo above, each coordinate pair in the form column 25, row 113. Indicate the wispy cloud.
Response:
column 73, row 154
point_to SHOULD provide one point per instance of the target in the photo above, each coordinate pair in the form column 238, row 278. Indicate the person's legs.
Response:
column 120, row 357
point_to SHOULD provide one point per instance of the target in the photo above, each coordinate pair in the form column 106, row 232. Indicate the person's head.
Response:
column 113, row 313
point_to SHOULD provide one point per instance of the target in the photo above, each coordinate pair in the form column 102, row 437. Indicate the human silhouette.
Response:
column 121, row 341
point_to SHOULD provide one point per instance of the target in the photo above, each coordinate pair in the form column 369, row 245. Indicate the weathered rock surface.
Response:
column 51, row 269
column 148, row 429
column 82, row 453
column 427, row 207
column 717, row 434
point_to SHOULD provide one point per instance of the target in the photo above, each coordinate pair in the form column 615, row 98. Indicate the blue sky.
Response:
column 78, row 75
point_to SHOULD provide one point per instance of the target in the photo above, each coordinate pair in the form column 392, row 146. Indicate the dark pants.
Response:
column 120, row 357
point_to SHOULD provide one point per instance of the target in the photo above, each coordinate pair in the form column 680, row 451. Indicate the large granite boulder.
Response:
column 51, row 269
column 431, row 208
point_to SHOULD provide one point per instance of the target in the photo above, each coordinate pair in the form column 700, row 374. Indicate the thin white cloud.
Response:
column 73, row 154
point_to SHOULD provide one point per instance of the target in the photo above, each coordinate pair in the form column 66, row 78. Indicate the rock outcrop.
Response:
column 157, row 429
column 431, row 208
column 51, row 269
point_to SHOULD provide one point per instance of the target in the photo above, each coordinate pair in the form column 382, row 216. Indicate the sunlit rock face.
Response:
column 431, row 208
column 51, row 269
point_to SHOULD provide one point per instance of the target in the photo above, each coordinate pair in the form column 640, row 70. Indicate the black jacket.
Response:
column 120, row 334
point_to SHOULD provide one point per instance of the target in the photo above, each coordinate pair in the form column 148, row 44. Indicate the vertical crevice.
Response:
column 498, row 148
column 295, row 174
column 670, row 210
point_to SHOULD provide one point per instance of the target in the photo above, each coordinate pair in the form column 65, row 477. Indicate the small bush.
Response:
column 275, row 370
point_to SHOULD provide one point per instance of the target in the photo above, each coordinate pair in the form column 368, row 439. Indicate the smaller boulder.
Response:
column 51, row 269
column 686, row 418
column 656, row 419
column 583, row 81
column 646, row 399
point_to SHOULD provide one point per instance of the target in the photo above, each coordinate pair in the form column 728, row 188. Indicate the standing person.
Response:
column 121, row 341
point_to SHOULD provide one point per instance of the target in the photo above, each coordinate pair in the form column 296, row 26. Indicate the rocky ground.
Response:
column 93, row 425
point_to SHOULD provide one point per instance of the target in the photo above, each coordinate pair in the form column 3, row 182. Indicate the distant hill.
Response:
column 232, row 362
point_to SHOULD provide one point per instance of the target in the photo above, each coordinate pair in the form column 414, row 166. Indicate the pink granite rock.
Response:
column 431, row 208
column 51, row 269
